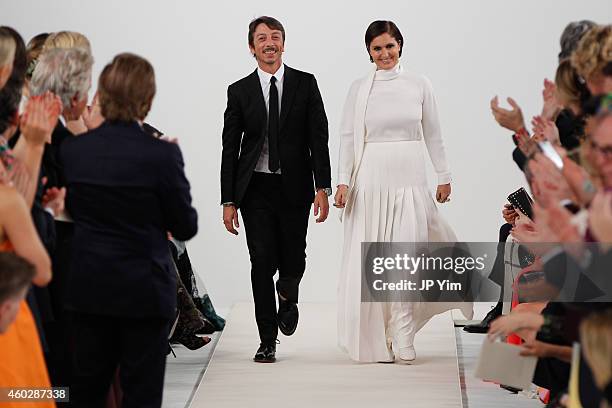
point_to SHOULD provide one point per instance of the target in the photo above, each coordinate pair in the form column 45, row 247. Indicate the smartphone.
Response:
column 549, row 151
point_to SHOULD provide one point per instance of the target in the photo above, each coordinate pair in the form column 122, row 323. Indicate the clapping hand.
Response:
column 40, row 117
column 579, row 181
column 509, row 119
column 545, row 129
column 551, row 106
column 549, row 186
column 556, row 223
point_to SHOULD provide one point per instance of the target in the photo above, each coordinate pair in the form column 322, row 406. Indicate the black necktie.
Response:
column 273, row 160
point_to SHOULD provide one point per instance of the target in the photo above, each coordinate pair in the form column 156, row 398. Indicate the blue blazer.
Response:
column 126, row 190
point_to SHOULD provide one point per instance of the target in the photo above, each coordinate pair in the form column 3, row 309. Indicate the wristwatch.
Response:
column 327, row 190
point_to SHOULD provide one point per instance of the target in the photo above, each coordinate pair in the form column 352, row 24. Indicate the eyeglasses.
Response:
column 605, row 151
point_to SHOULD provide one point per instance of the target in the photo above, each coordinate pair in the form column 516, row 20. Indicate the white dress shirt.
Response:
column 264, row 80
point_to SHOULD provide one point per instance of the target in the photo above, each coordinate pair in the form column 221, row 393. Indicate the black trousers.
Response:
column 103, row 343
column 276, row 237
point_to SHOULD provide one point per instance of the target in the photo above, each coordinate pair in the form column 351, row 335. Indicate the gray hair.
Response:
column 571, row 35
column 64, row 71
column 7, row 47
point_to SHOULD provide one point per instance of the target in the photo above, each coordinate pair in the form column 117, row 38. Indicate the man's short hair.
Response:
column 15, row 274
column 271, row 22
column 126, row 88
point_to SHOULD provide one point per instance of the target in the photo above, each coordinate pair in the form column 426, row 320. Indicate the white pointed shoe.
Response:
column 390, row 355
column 407, row 353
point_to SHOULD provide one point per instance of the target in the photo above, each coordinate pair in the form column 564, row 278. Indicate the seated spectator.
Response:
column 592, row 59
column 16, row 275
column 126, row 191
column 596, row 341
column 7, row 54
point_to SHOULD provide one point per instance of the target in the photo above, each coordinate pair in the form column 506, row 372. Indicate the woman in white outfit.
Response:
column 382, row 187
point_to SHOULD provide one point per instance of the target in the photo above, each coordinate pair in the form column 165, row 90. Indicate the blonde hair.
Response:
column 596, row 341
column 569, row 88
column 7, row 47
column 67, row 39
column 594, row 51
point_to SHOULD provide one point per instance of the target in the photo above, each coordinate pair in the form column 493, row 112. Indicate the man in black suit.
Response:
column 126, row 191
column 274, row 140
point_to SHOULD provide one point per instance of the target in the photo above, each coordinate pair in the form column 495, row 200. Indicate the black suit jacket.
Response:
column 126, row 189
column 303, row 137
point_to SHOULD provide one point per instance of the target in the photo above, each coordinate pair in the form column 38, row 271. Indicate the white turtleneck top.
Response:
column 401, row 107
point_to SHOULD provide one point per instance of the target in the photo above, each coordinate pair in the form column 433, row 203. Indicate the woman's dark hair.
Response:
column 10, row 95
column 272, row 24
column 16, row 274
column 380, row 27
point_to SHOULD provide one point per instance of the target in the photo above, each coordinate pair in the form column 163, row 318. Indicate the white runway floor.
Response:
column 312, row 372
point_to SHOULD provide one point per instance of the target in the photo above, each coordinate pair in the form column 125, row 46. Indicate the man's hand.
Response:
column 321, row 203
column 443, row 192
column 340, row 197
column 230, row 219
column 509, row 119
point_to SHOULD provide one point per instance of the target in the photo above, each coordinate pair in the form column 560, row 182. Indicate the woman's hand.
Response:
column 545, row 130
column 549, row 184
column 509, row 119
column 551, row 107
column 509, row 213
column 340, row 197
column 536, row 348
column 40, row 117
column 443, row 193
column 579, row 181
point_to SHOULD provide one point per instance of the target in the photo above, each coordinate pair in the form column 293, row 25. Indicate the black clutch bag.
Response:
column 520, row 199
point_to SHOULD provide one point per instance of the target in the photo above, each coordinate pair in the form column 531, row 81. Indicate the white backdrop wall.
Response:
column 471, row 50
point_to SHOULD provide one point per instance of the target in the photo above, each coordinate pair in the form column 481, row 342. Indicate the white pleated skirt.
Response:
column 390, row 202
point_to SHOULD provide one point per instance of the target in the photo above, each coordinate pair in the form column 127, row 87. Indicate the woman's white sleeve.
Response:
column 346, row 161
column 433, row 135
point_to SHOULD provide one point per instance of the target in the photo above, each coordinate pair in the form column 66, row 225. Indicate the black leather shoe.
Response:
column 483, row 326
column 266, row 353
column 287, row 316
